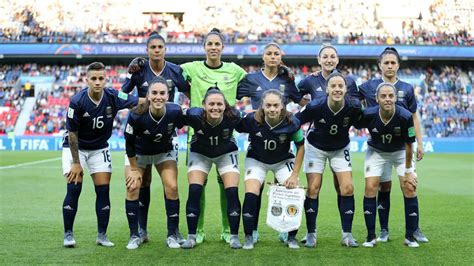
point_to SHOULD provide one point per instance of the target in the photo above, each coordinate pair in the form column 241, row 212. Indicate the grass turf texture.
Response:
column 31, row 225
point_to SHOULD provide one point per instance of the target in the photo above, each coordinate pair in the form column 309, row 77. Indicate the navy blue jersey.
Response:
column 405, row 94
column 171, row 72
column 316, row 86
column 254, row 84
column 208, row 140
column 330, row 131
column 94, row 122
column 271, row 144
column 388, row 137
column 151, row 136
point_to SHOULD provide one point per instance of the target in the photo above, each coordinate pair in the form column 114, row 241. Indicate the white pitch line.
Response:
column 29, row 163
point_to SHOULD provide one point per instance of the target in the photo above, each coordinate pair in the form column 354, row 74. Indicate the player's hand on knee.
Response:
column 137, row 64
column 76, row 174
column 411, row 180
column 133, row 180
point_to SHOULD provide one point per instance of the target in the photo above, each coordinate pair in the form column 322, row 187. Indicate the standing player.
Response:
column 149, row 134
column 89, row 122
column 272, row 76
column 392, row 135
column 271, row 130
column 204, row 74
column 328, row 139
column 315, row 85
column 213, row 142
column 389, row 63
column 141, row 73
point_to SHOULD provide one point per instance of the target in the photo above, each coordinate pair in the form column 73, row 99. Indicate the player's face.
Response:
column 156, row 50
column 213, row 47
column 386, row 98
column 214, row 106
column 272, row 57
column 96, row 80
column 336, row 89
column 389, row 65
column 158, row 95
column 328, row 59
column 272, row 106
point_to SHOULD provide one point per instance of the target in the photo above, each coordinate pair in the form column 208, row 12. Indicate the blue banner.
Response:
column 47, row 143
column 240, row 50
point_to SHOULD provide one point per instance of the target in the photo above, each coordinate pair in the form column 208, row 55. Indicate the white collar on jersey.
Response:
column 271, row 128
column 151, row 115
column 388, row 122
column 159, row 74
column 269, row 79
column 335, row 113
column 92, row 100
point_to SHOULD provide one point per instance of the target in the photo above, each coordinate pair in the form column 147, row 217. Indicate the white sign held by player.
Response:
column 285, row 208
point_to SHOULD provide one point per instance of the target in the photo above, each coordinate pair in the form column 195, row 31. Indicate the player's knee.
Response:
column 132, row 194
column 171, row 191
column 370, row 190
column 313, row 191
column 408, row 190
column 386, row 186
column 346, row 189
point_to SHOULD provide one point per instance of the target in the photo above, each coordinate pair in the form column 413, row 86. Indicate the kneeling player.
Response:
column 271, row 130
column 149, row 135
column 392, row 135
column 213, row 142
column 89, row 122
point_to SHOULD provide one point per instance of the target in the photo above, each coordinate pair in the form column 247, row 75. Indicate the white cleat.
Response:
column 134, row 242
column 249, row 242
column 369, row 243
column 69, row 240
column 310, row 240
column 255, row 236
column 102, row 240
column 411, row 242
column 383, row 237
column 292, row 243
column 143, row 235
column 190, row 242
column 234, row 242
column 173, row 242
column 419, row 236
column 348, row 240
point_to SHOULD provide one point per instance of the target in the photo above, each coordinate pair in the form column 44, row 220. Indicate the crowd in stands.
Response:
column 427, row 22
column 444, row 97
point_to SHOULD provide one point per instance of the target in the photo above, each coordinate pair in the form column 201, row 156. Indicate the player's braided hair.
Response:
column 143, row 108
column 260, row 114
column 229, row 112
column 154, row 35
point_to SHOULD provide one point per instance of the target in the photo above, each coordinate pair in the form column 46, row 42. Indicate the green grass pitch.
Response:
column 31, row 228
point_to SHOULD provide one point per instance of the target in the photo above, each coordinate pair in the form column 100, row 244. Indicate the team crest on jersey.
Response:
column 345, row 121
column 282, row 138
column 108, row 111
column 225, row 133
column 170, row 83
column 282, row 88
column 226, row 78
column 277, row 209
column 397, row 131
column 292, row 210
column 400, row 94
column 170, row 128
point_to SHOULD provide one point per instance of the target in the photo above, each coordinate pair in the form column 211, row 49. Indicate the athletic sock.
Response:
column 131, row 210
column 311, row 209
column 233, row 209
column 172, row 213
column 144, row 205
column 370, row 209
column 257, row 210
column 248, row 213
column 193, row 207
column 102, row 207
column 383, row 208
column 347, row 213
column 411, row 215
column 70, row 205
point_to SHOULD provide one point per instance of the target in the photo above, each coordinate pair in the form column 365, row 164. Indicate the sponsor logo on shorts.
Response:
column 367, row 169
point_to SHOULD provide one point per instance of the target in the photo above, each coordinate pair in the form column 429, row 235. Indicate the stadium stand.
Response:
column 424, row 22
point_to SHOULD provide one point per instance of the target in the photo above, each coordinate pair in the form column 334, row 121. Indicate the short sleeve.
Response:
column 73, row 117
column 124, row 100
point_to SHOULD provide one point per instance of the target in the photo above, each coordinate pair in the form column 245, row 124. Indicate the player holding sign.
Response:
column 392, row 135
column 328, row 139
column 89, row 122
column 271, row 130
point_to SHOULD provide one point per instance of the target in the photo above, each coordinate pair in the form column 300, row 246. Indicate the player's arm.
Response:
column 419, row 139
column 409, row 136
column 298, row 139
column 76, row 173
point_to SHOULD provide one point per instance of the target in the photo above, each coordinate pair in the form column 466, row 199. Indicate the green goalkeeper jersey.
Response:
column 201, row 77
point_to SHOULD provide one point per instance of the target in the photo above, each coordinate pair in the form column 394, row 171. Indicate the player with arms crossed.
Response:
column 204, row 74
column 273, row 76
column 389, row 63
column 89, row 124
column 213, row 143
column 328, row 139
column 271, row 130
column 390, row 144
column 148, row 138
column 141, row 72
